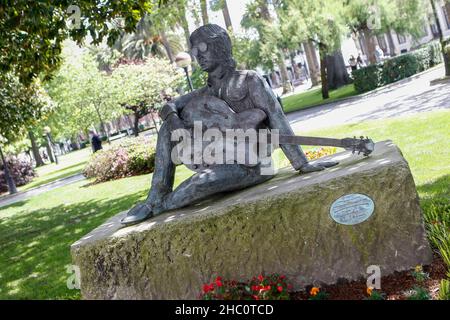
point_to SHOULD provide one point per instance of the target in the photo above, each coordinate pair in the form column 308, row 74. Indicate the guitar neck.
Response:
column 314, row 141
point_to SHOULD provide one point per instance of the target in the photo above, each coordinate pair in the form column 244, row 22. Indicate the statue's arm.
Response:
column 175, row 106
column 263, row 98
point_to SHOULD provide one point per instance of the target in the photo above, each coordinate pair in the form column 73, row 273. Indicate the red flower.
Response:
column 280, row 289
column 205, row 288
column 218, row 283
column 255, row 297
column 218, row 279
column 260, row 277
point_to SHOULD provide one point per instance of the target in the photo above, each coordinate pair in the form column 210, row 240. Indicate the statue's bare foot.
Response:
column 137, row 214
column 308, row 167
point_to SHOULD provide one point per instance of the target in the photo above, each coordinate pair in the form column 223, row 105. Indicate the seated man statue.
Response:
column 249, row 99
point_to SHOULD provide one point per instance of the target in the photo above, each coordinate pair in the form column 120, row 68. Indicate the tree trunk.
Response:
column 445, row 52
column 102, row 124
column 50, row 151
column 226, row 16
column 154, row 122
column 294, row 65
column 8, row 175
column 136, row 124
column 311, row 60
column 337, row 75
column 166, row 45
column 391, row 43
column 184, row 24
column 35, row 149
column 323, row 71
column 370, row 45
column 130, row 123
column 284, row 74
column 204, row 7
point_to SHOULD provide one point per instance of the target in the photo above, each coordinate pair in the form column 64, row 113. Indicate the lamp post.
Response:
column 183, row 60
column 9, row 180
column 47, row 132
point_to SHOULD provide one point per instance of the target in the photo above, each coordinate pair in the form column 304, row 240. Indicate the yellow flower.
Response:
column 369, row 291
column 418, row 268
column 314, row 291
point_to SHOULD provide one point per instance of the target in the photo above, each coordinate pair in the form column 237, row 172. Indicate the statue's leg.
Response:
column 220, row 178
column 163, row 175
column 164, row 172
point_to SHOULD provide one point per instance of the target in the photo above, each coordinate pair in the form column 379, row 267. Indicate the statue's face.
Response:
column 205, row 56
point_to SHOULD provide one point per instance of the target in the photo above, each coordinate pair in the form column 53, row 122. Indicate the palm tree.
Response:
column 147, row 40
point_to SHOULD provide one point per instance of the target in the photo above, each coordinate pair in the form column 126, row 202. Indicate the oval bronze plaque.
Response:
column 352, row 209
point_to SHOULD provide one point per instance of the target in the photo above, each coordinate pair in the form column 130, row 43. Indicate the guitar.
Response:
column 361, row 145
column 215, row 113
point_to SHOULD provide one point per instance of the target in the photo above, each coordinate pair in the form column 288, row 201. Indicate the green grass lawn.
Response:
column 313, row 97
column 69, row 165
column 35, row 234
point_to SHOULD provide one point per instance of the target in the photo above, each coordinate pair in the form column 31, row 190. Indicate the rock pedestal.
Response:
column 282, row 226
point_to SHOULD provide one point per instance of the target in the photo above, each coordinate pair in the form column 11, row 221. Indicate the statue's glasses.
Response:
column 201, row 47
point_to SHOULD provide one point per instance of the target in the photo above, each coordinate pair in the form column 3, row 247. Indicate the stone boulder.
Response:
column 282, row 226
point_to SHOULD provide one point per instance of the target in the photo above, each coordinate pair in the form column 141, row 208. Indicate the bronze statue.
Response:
column 232, row 99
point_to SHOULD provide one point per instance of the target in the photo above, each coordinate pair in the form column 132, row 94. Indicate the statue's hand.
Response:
column 308, row 167
column 138, row 213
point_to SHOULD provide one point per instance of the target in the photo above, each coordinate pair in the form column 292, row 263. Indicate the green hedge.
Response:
column 398, row 68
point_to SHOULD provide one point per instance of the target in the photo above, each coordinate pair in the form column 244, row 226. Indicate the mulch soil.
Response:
column 396, row 286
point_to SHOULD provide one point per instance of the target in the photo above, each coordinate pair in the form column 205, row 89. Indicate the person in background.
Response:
column 359, row 61
column 95, row 141
column 379, row 54
column 353, row 63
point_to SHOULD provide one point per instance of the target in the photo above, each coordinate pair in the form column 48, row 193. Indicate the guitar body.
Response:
column 214, row 113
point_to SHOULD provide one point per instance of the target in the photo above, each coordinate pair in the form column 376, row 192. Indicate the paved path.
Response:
column 408, row 96
column 10, row 199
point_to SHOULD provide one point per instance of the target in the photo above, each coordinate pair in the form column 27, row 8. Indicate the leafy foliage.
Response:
column 32, row 32
column 129, row 158
column 395, row 69
column 20, row 106
column 147, row 83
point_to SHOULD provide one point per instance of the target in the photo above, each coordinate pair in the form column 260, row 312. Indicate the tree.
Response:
column 217, row 5
column 319, row 22
column 444, row 43
column 150, row 39
column 21, row 106
column 369, row 18
column 83, row 96
column 258, row 18
column 204, row 8
column 142, row 88
column 32, row 32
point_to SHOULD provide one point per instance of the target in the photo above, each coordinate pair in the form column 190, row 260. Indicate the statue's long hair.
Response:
column 218, row 41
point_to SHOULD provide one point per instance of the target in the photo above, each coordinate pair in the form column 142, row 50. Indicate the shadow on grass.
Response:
column 14, row 205
column 35, row 246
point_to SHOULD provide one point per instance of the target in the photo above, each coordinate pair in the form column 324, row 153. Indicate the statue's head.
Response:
column 211, row 46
